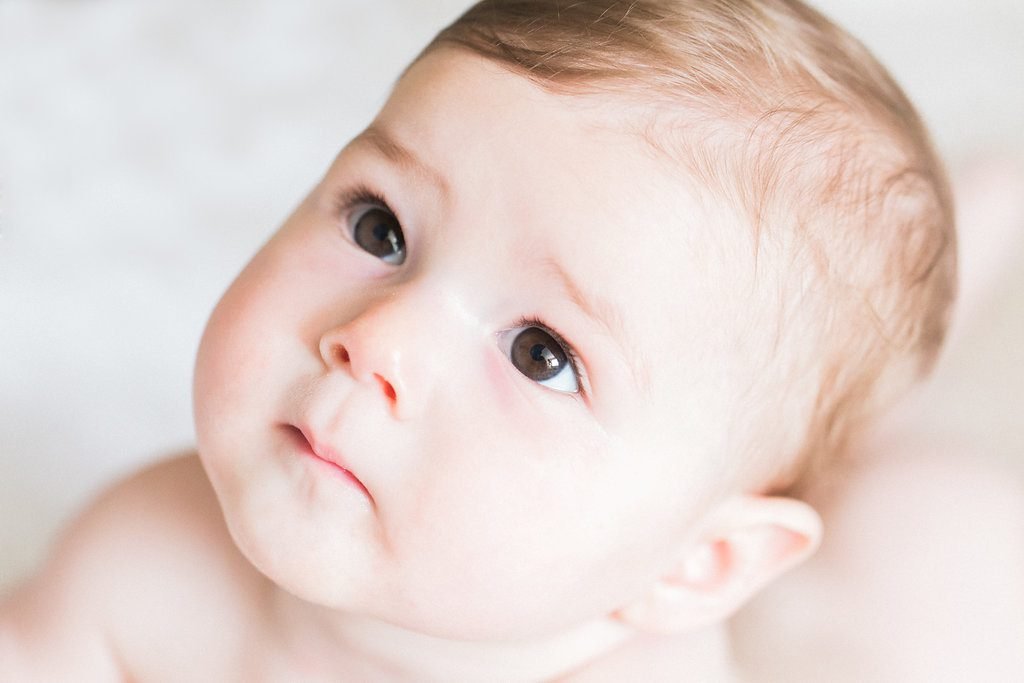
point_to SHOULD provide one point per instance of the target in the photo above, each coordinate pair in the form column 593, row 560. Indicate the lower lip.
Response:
column 335, row 469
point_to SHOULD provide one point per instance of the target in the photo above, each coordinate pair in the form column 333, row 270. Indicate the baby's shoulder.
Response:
column 918, row 578
column 145, row 576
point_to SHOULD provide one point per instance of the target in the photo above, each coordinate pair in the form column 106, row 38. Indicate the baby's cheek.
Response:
column 496, row 522
column 223, row 348
column 498, row 384
column 234, row 364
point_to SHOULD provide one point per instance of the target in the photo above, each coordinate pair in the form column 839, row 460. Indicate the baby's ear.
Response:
column 750, row 541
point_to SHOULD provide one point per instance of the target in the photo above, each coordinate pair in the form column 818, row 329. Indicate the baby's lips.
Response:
column 324, row 451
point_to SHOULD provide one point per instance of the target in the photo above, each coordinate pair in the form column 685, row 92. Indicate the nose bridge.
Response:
column 387, row 345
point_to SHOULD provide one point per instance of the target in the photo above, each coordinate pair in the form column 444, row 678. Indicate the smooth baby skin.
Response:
column 398, row 500
column 146, row 585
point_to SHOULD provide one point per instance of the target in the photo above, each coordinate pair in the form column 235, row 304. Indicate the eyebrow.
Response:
column 607, row 316
column 403, row 157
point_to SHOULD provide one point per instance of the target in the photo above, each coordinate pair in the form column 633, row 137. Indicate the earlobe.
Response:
column 749, row 542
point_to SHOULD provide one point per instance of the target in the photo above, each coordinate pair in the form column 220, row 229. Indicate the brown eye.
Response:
column 539, row 356
column 378, row 232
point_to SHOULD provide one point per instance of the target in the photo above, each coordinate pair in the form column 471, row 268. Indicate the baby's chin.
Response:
column 346, row 582
column 299, row 565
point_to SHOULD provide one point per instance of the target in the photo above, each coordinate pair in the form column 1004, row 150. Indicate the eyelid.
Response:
column 575, row 362
column 349, row 199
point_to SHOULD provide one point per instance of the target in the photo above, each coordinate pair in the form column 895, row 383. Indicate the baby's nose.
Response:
column 336, row 355
column 383, row 349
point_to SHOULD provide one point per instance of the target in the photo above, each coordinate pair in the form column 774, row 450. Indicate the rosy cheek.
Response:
column 232, row 339
column 501, row 385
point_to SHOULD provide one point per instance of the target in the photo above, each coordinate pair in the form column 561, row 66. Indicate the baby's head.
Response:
column 773, row 114
column 598, row 278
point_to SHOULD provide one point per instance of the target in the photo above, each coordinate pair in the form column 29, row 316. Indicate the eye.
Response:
column 377, row 231
column 539, row 355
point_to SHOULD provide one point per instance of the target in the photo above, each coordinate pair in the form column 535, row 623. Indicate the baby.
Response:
column 529, row 385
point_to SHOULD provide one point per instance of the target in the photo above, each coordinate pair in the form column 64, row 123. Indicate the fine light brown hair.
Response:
column 793, row 121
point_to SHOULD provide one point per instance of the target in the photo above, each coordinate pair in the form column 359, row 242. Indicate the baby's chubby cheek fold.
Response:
column 243, row 345
column 216, row 352
column 226, row 351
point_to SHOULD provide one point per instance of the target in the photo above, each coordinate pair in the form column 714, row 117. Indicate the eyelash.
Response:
column 570, row 352
column 360, row 194
column 364, row 194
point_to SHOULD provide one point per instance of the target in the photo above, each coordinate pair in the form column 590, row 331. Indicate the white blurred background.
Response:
column 147, row 149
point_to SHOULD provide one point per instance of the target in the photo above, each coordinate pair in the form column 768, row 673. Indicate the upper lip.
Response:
column 326, row 452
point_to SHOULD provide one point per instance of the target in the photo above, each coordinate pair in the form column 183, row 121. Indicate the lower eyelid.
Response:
column 507, row 385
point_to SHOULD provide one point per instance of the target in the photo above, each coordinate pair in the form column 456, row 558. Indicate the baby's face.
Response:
column 505, row 317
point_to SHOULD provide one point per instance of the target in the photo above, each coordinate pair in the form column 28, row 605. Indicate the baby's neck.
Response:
column 704, row 656
column 325, row 644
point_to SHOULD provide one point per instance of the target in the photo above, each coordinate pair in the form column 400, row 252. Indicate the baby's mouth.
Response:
column 310, row 446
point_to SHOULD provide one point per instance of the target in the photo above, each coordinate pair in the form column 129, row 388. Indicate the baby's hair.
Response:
column 773, row 108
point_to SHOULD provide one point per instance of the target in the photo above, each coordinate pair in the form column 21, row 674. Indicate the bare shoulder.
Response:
column 919, row 577
column 143, row 574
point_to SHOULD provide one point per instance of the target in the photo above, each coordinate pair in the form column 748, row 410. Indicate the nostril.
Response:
column 341, row 353
column 389, row 390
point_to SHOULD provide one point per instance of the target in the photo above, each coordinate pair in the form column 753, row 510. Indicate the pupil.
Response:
column 385, row 234
column 377, row 232
column 536, row 354
column 541, row 353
